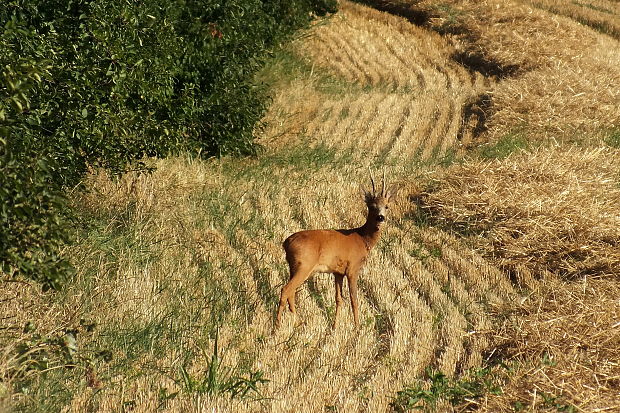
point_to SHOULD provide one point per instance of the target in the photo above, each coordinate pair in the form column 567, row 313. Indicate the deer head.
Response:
column 377, row 202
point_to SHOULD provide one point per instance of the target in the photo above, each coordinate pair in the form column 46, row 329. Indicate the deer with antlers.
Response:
column 341, row 252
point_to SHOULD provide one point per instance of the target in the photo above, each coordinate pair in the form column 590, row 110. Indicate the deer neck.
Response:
column 370, row 233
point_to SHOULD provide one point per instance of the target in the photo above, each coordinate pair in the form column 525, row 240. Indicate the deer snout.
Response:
column 380, row 218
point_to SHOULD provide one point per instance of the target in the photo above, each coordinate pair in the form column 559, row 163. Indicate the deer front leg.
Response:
column 338, row 282
column 352, row 281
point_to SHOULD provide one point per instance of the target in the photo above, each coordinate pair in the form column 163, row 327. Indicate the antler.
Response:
column 383, row 184
column 372, row 181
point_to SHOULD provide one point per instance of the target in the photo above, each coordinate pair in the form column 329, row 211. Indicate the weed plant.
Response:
column 474, row 385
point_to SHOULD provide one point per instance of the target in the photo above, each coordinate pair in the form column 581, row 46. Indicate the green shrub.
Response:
column 134, row 79
column 88, row 83
column 33, row 222
column 32, row 219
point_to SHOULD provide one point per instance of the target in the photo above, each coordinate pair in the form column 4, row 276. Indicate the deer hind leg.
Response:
column 352, row 281
column 299, row 274
column 338, row 281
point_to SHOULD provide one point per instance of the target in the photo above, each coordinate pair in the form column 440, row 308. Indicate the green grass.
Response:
column 506, row 145
column 306, row 156
column 442, row 389
column 286, row 65
column 422, row 253
column 450, row 157
column 301, row 157
column 612, row 138
column 452, row 18
column 47, row 392
column 218, row 379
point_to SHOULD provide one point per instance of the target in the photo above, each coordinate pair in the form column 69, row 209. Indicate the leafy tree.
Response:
column 89, row 83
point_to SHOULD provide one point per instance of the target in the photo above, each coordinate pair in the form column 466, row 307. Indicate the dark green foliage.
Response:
column 89, row 83
column 31, row 215
column 131, row 79
column 32, row 219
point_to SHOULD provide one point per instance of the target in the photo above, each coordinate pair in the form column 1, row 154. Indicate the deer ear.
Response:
column 393, row 190
column 367, row 196
column 363, row 191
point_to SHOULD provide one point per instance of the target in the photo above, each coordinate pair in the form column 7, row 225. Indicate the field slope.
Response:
column 179, row 271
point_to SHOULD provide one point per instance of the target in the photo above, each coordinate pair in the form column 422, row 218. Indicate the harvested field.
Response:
column 555, row 77
column 179, row 271
column 409, row 94
column 563, row 344
column 601, row 15
column 556, row 209
column 415, row 311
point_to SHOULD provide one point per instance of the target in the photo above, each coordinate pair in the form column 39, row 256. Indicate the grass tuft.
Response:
column 218, row 379
column 505, row 146
column 440, row 390
column 612, row 138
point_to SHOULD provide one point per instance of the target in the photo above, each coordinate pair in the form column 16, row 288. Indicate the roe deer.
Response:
column 341, row 252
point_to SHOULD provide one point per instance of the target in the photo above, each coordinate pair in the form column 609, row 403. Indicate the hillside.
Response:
column 499, row 121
